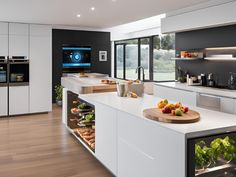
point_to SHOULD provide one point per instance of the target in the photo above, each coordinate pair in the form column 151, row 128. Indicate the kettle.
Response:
column 232, row 81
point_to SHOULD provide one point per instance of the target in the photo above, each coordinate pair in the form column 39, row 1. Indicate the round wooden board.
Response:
column 156, row 114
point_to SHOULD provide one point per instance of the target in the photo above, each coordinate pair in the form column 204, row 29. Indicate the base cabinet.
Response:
column 148, row 150
column 106, row 137
column 18, row 100
column 184, row 96
column 3, row 101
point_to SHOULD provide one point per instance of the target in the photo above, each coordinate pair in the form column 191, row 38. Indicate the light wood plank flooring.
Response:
column 40, row 146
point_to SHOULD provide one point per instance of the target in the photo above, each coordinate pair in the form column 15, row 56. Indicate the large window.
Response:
column 153, row 53
column 163, row 51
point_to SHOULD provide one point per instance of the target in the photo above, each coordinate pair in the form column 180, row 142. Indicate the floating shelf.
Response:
column 189, row 59
column 220, row 59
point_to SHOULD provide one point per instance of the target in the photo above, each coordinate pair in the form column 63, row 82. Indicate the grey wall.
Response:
column 200, row 39
column 99, row 41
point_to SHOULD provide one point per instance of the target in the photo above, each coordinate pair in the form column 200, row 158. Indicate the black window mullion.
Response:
column 124, row 61
column 139, row 57
column 115, row 60
column 151, row 58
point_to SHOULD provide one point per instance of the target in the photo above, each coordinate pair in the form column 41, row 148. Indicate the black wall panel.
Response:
column 99, row 41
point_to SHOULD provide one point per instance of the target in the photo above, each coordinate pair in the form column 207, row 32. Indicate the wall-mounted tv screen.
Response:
column 76, row 57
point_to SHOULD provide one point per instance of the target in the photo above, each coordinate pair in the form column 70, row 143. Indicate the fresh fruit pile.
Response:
column 176, row 109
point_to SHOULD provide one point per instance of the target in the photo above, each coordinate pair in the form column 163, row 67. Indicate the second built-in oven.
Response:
column 18, row 71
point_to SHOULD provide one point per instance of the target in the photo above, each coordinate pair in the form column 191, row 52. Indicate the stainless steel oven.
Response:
column 212, row 156
column 18, row 71
column 3, row 71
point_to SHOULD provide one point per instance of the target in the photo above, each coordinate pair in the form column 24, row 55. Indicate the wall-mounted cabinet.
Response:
column 4, row 39
column 18, row 39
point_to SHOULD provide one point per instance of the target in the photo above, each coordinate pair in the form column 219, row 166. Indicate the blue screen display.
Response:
column 76, row 56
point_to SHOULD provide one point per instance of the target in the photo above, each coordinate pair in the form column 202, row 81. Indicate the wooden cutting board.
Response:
column 156, row 114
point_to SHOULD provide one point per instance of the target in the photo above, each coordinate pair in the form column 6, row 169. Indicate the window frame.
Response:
column 151, row 54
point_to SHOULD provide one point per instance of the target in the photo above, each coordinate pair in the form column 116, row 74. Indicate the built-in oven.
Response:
column 18, row 71
column 212, row 156
column 3, row 71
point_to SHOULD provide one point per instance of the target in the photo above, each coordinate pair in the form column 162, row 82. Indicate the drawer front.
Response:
column 209, row 102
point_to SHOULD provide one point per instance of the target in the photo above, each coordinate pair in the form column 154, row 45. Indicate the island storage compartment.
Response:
column 81, row 120
column 212, row 156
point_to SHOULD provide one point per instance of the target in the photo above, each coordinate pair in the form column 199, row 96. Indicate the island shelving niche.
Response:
column 81, row 120
column 212, row 156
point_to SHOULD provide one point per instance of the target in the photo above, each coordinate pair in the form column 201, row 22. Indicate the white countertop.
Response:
column 200, row 89
column 211, row 122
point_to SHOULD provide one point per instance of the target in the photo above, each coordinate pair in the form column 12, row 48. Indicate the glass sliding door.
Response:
column 163, row 51
column 120, row 61
column 145, row 56
column 131, row 59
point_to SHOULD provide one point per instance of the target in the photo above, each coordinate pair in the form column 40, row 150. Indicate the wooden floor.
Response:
column 40, row 146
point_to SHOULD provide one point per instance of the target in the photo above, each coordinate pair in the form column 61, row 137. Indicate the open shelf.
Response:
column 78, row 137
column 215, row 169
column 186, row 59
column 220, row 59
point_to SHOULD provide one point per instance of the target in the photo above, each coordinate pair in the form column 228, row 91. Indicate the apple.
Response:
column 178, row 105
column 178, row 112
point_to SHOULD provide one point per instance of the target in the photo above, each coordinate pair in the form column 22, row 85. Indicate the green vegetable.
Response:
column 219, row 148
column 90, row 117
column 83, row 106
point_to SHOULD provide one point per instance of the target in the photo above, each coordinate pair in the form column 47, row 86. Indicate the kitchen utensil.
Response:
column 157, row 115
column 232, row 81
column 122, row 89
column 210, row 80
column 203, row 80
column 19, row 77
column 13, row 77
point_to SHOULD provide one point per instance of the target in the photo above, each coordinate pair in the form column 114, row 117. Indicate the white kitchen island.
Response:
column 130, row 145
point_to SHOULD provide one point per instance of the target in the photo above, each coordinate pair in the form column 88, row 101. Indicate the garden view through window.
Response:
column 153, row 53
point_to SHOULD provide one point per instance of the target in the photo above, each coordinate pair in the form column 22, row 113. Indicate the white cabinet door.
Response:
column 18, row 100
column 3, row 101
column 18, row 40
column 227, row 105
column 40, row 69
column 147, row 150
column 183, row 96
column 106, row 137
column 3, row 39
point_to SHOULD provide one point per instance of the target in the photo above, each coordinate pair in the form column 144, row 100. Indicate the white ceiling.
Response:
column 106, row 14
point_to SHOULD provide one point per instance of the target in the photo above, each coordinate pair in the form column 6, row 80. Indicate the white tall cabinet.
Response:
column 18, row 46
column 40, row 68
column 33, row 42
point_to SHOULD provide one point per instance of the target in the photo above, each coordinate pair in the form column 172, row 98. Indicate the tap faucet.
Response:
column 140, row 67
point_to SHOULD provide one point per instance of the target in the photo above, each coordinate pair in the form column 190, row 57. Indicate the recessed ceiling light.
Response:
column 78, row 15
column 113, row 0
column 92, row 8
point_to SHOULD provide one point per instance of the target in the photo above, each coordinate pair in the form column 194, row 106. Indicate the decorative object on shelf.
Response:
column 102, row 55
column 58, row 91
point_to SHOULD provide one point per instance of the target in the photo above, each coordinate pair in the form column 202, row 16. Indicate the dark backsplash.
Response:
column 208, row 38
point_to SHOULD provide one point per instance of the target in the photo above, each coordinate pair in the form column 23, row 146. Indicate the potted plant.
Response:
column 58, row 91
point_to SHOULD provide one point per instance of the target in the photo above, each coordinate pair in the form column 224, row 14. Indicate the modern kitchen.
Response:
column 86, row 92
